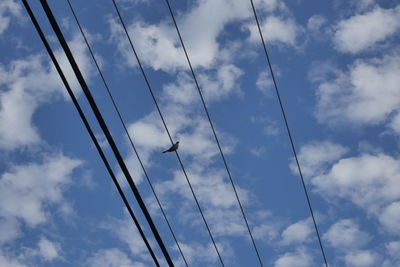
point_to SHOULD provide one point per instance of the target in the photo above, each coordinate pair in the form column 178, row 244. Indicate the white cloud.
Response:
column 364, row 31
column 395, row 123
column 390, row 218
column 363, row 258
column 158, row 44
column 203, row 255
column 365, row 94
column 270, row 5
column 315, row 23
column 394, row 249
column 127, row 233
column 27, row 83
column 299, row 258
column 111, row 258
column 277, row 30
column 297, row 232
column 9, row 229
column 48, row 250
column 315, row 156
column 11, row 7
column 345, row 234
column 22, row 194
column 5, row 261
column 258, row 151
column 264, row 83
column 369, row 181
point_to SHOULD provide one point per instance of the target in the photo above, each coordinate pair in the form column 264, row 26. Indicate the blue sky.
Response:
column 337, row 64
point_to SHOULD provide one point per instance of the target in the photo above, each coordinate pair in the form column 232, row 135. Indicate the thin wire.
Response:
column 213, row 130
column 104, row 127
column 289, row 133
column 166, row 128
column 125, row 128
column 88, row 128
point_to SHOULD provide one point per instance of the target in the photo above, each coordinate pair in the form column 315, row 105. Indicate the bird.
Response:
column 174, row 147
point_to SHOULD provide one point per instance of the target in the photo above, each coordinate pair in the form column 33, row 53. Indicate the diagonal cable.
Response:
column 213, row 130
column 88, row 128
column 125, row 128
column 166, row 128
column 289, row 133
column 104, row 127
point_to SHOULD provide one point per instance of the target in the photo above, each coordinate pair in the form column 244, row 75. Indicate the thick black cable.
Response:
column 88, row 128
column 125, row 128
column 166, row 128
column 104, row 127
column 289, row 133
column 213, row 130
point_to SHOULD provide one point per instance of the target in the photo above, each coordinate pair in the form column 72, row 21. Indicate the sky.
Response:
column 337, row 65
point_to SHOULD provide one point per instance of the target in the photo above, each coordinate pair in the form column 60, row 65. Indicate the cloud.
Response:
column 128, row 234
column 315, row 24
column 158, row 45
column 299, row 258
column 363, row 258
column 48, row 250
column 25, row 84
column 297, row 232
column 346, row 235
column 364, row 94
column 315, row 156
column 264, row 83
column 111, row 258
column 22, row 194
column 8, row 8
column 394, row 249
column 365, row 31
column 390, row 217
column 277, row 30
column 204, row 255
column 369, row 180
column 5, row 261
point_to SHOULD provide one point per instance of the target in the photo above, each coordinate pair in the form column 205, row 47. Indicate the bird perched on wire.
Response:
column 174, row 147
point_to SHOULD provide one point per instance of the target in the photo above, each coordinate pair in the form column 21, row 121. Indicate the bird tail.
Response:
column 165, row 151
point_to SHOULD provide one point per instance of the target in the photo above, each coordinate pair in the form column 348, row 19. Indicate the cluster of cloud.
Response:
column 33, row 190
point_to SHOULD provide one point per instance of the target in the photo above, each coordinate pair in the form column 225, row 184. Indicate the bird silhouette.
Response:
column 174, row 147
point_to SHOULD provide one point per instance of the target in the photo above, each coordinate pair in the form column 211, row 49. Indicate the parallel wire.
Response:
column 289, row 133
column 213, row 130
column 166, row 128
column 126, row 130
column 104, row 127
column 88, row 128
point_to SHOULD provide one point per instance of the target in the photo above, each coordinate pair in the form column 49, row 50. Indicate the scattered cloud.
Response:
column 363, row 32
column 264, row 83
column 346, row 235
column 49, row 250
column 299, row 258
column 365, row 94
column 112, row 257
column 28, row 83
column 363, row 258
column 277, row 30
column 8, row 8
column 22, row 195
column 297, row 232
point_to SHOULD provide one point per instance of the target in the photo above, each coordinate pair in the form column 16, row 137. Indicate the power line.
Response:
column 104, row 127
column 213, row 130
column 166, row 128
column 126, row 130
column 289, row 132
column 88, row 128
